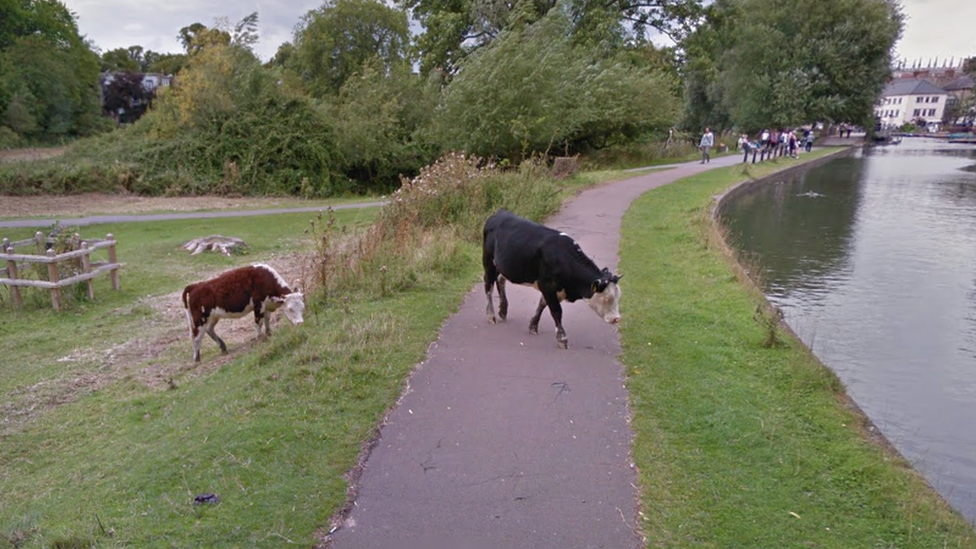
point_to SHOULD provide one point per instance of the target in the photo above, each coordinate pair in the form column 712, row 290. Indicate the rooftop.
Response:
column 911, row 86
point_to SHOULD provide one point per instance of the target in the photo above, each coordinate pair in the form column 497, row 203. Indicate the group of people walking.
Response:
column 773, row 143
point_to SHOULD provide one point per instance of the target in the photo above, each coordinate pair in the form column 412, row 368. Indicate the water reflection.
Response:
column 873, row 260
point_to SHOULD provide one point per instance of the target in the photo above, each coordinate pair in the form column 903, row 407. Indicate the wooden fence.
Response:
column 81, row 250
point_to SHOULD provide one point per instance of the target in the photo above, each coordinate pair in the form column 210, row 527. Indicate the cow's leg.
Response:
column 211, row 331
column 197, row 334
column 259, row 315
column 534, row 323
column 194, row 332
column 502, row 299
column 556, row 310
column 267, row 324
column 491, row 276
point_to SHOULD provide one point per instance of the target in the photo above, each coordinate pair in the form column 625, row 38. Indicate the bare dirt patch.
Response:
column 17, row 155
column 159, row 371
column 159, row 356
column 81, row 205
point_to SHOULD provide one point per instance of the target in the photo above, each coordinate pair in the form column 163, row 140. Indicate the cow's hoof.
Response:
column 491, row 319
column 196, row 359
column 534, row 330
column 564, row 344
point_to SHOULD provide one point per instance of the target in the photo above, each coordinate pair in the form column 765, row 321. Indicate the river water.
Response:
column 872, row 259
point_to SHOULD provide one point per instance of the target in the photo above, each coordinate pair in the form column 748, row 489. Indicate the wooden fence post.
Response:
column 113, row 258
column 12, row 274
column 86, row 268
column 52, row 271
column 40, row 241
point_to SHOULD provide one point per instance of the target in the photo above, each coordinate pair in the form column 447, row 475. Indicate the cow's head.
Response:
column 606, row 297
column 294, row 306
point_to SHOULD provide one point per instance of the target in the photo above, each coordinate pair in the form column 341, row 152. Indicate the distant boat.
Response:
column 962, row 138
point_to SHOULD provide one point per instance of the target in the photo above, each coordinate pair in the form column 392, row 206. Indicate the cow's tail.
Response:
column 186, row 292
column 186, row 306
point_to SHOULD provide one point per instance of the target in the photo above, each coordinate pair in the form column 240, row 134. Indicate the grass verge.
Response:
column 741, row 444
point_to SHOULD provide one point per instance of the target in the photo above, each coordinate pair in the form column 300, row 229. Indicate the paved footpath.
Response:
column 504, row 441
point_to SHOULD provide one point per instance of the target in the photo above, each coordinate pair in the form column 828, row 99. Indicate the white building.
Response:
column 911, row 100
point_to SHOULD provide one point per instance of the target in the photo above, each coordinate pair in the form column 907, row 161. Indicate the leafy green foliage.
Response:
column 122, row 59
column 533, row 90
column 48, row 74
column 767, row 64
column 165, row 63
column 379, row 117
column 334, row 41
column 454, row 29
column 227, row 129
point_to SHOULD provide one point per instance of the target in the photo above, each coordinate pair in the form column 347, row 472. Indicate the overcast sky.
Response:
column 933, row 29
column 154, row 24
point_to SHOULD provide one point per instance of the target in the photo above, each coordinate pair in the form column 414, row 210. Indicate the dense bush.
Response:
column 423, row 230
column 228, row 128
column 534, row 90
column 381, row 117
column 48, row 75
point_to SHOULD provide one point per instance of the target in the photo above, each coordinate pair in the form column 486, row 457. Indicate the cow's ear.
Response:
column 616, row 278
column 593, row 287
column 278, row 299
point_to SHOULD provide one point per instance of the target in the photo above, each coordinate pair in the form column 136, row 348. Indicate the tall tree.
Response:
column 120, row 59
column 535, row 90
column 701, row 72
column 197, row 36
column 334, row 41
column 48, row 73
column 453, row 29
column 11, row 21
column 776, row 64
column 379, row 116
column 166, row 63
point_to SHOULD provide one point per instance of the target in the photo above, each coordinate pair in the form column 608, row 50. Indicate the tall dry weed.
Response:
column 422, row 235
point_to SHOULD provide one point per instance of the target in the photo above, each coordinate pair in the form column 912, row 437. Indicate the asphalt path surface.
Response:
column 503, row 440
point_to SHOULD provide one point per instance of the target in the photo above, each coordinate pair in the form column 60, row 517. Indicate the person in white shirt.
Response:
column 707, row 142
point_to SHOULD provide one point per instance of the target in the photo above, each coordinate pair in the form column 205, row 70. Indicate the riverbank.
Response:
column 739, row 444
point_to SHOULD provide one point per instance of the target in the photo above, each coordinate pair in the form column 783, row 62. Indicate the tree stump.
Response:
column 227, row 245
column 565, row 166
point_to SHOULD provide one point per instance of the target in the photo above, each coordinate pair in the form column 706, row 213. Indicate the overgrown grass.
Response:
column 637, row 155
column 741, row 444
column 421, row 232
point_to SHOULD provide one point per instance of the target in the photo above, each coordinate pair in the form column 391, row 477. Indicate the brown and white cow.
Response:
column 234, row 294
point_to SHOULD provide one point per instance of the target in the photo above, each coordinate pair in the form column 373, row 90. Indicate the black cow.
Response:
column 525, row 252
